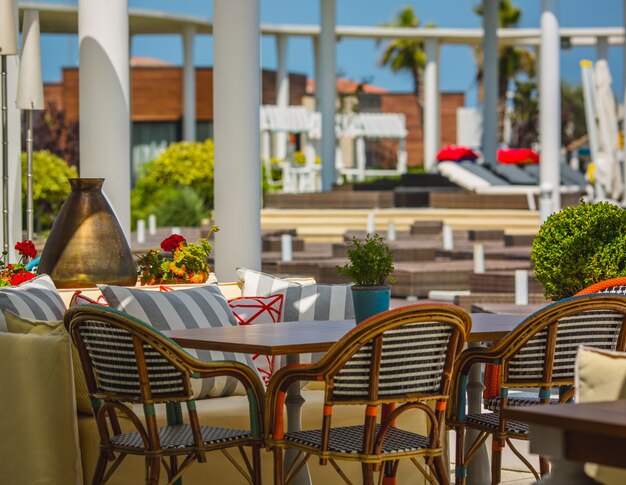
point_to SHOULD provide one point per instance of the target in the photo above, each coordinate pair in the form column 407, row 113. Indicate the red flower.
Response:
column 172, row 243
column 26, row 248
column 20, row 277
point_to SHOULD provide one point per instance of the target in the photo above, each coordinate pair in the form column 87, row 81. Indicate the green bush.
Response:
column 183, row 164
column 580, row 246
column 50, row 186
column 181, row 207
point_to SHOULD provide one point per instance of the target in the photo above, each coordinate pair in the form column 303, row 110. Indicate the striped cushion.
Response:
column 37, row 299
column 302, row 302
column 412, row 360
column 201, row 307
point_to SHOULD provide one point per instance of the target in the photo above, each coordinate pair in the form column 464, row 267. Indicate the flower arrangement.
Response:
column 14, row 274
column 187, row 263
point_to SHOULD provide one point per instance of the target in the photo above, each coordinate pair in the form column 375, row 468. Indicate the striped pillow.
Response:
column 201, row 307
column 302, row 302
column 37, row 299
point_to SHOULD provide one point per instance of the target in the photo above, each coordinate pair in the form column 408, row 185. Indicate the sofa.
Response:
column 231, row 411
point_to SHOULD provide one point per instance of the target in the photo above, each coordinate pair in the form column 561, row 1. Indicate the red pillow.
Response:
column 456, row 153
column 79, row 299
column 254, row 310
column 517, row 155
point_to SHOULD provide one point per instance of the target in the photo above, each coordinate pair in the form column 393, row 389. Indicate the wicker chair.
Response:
column 539, row 353
column 399, row 361
column 128, row 361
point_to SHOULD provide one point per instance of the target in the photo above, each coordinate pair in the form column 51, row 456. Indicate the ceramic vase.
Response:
column 369, row 301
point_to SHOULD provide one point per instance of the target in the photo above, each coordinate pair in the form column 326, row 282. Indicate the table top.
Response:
column 599, row 418
column 311, row 336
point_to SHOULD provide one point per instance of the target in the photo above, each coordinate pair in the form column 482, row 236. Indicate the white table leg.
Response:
column 564, row 472
column 294, row 402
column 478, row 470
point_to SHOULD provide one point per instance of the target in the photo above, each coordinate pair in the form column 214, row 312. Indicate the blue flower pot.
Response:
column 369, row 301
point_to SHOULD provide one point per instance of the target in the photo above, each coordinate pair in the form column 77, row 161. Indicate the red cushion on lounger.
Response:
column 456, row 153
column 517, row 155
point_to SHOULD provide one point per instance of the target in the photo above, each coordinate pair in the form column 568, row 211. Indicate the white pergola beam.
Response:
column 236, row 81
column 490, row 82
column 327, row 92
column 104, row 100
column 550, row 102
column 189, row 85
column 432, row 112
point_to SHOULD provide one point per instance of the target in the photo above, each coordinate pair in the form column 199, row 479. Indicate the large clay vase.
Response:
column 369, row 301
column 86, row 245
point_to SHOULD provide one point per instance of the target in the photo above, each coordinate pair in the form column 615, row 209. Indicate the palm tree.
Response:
column 402, row 55
column 512, row 61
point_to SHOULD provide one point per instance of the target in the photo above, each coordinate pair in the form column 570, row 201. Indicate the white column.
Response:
column 490, row 81
column 316, row 69
column 236, row 96
column 282, row 92
column 602, row 48
column 105, row 100
column 327, row 93
column 432, row 114
column 550, row 101
column 189, row 85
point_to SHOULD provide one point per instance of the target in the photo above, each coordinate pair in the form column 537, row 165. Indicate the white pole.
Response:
column 175, row 230
column 550, row 101
column 359, row 145
column 391, row 231
column 282, row 92
column 327, row 93
column 286, row 248
column 105, row 100
column 432, row 116
column 141, row 231
column 448, row 238
column 236, row 82
column 545, row 201
column 490, row 81
column 521, row 287
column 602, row 48
column 479, row 258
column 152, row 224
column 371, row 223
column 189, row 85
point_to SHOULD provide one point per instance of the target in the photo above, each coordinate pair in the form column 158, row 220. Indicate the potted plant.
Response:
column 371, row 263
column 180, row 261
column 580, row 246
column 17, row 273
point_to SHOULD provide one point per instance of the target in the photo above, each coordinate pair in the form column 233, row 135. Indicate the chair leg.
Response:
column 441, row 472
column 279, row 476
column 368, row 473
column 496, row 460
column 544, row 466
column 101, row 467
column 460, row 472
column 389, row 471
column 154, row 470
column 256, row 465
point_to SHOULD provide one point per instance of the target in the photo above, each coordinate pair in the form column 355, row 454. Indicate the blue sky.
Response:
column 358, row 59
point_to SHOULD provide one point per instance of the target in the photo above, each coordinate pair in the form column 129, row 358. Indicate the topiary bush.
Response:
column 580, row 246
column 50, row 186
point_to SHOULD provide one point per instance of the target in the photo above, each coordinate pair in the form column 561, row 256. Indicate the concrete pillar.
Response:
column 490, row 81
column 105, row 100
column 327, row 93
column 432, row 112
column 189, row 85
column 316, row 69
column 282, row 92
column 602, row 48
column 550, row 101
column 236, row 96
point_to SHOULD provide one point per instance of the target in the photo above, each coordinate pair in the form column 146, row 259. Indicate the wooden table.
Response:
column 294, row 338
column 572, row 434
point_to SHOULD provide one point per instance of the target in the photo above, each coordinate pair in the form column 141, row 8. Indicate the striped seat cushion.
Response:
column 491, row 422
column 36, row 299
column 201, row 307
column 302, row 302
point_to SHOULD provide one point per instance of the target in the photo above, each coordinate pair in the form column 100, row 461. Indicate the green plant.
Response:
column 50, row 186
column 16, row 273
column 187, row 263
column 371, row 261
column 181, row 206
column 579, row 246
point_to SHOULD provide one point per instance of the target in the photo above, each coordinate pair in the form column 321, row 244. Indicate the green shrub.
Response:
column 579, row 246
column 50, row 186
column 181, row 207
column 183, row 164
column 371, row 261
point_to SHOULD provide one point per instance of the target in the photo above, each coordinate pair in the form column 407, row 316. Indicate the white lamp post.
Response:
column 8, row 47
column 29, row 98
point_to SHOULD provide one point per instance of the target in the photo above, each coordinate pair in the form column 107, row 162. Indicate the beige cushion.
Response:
column 17, row 324
column 601, row 376
column 38, row 427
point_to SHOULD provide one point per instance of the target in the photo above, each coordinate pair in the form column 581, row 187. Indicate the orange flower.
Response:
column 178, row 271
column 198, row 277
